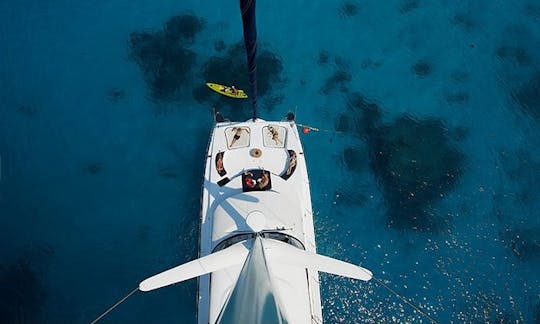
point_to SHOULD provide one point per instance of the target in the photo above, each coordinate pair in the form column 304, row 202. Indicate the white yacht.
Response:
column 258, row 261
column 257, row 255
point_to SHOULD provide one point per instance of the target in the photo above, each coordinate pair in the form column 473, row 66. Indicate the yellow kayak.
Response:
column 227, row 91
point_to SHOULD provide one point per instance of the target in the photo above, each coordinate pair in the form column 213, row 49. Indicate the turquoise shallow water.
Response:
column 426, row 171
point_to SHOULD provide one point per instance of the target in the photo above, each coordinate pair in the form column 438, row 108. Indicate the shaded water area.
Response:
column 427, row 172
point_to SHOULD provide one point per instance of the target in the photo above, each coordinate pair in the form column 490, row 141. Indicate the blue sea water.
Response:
column 100, row 178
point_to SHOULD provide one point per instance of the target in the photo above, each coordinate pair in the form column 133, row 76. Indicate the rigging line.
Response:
column 114, row 306
column 417, row 308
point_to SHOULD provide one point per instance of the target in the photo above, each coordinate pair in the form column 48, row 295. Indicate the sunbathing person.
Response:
column 237, row 133
column 292, row 163
column 219, row 164
column 275, row 135
column 264, row 180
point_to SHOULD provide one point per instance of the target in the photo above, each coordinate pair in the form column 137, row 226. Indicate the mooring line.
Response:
column 417, row 308
column 114, row 306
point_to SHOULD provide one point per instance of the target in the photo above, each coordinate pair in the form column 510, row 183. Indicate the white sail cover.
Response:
column 252, row 299
column 223, row 259
column 279, row 252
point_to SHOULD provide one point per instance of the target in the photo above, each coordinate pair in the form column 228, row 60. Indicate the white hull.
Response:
column 228, row 210
column 257, row 255
column 258, row 261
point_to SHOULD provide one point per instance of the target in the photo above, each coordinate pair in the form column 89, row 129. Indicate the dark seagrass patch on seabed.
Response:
column 532, row 10
column 27, row 110
column 115, row 94
column 459, row 76
column 355, row 159
column 165, row 57
column 365, row 114
column 219, row 45
column 342, row 123
column 361, row 116
column 415, row 161
column 183, row 27
column 337, row 81
column 94, row 168
column 230, row 69
column 527, row 97
column 271, row 101
column 23, row 293
column 457, row 98
column 516, row 47
column 416, row 165
column 517, row 54
column 459, row 133
column 370, row 64
column 406, row 6
column 324, row 56
column 521, row 167
column 464, row 21
column 169, row 172
column 348, row 9
column 342, row 63
column 421, row 68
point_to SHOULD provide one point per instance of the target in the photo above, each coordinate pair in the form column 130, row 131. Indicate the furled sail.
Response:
column 253, row 299
column 250, row 40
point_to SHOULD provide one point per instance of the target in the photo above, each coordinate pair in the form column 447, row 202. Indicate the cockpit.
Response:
column 274, row 235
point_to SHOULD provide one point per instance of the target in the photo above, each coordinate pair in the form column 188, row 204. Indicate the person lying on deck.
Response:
column 237, row 133
column 275, row 135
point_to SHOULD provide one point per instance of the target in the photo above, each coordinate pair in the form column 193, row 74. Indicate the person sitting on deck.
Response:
column 219, row 164
column 264, row 180
column 250, row 182
column 292, row 163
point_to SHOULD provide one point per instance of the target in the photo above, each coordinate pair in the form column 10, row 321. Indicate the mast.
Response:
column 253, row 299
column 247, row 8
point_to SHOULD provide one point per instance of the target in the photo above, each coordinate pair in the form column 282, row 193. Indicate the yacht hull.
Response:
column 256, row 181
